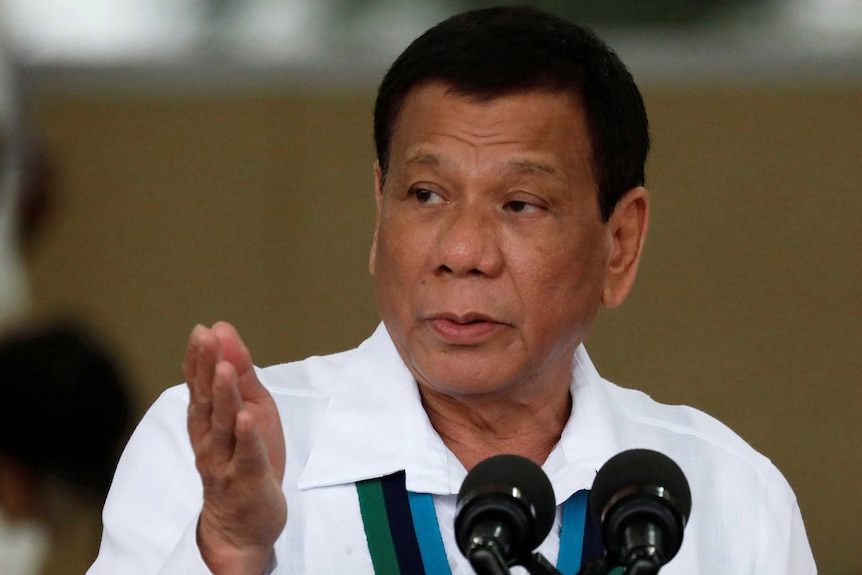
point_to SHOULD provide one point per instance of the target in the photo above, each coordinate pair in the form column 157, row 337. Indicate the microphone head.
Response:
column 638, row 485
column 510, row 489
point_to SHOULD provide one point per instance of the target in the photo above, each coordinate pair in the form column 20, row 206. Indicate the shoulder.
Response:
column 683, row 426
column 319, row 376
column 715, row 458
column 633, row 419
column 313, row 376
column 681, row 420
column 728, row 478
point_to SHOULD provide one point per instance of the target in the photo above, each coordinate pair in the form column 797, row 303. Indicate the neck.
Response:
column 477, row 428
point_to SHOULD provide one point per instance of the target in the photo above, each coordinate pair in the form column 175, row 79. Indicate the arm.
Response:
column 221, row 515
column 785, row 549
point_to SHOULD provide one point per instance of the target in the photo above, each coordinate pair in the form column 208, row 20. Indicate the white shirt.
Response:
column 357, row 415
column 24, row 546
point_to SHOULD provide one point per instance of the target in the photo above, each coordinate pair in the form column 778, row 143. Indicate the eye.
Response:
column 521, row 207
column 426, row 196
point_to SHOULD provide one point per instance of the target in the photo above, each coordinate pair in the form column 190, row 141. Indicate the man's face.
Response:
column 490, row 256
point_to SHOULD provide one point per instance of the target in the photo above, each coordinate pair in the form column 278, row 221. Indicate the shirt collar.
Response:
column 588, row 438
column 375, row 425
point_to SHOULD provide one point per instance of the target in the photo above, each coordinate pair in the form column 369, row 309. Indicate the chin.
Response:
column 466, row 381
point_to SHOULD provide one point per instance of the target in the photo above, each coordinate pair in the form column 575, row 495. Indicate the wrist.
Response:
column 225, row 557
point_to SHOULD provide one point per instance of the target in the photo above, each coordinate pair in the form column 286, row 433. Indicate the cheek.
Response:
column 564, row 281
column 396, row 262
column 404, row 244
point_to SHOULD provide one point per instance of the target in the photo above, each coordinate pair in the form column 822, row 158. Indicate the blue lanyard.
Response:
column 404, row 537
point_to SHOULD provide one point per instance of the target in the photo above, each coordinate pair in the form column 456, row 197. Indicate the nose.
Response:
column 469, row 244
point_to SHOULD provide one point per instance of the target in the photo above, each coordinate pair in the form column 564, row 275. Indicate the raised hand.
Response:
column 239, row 451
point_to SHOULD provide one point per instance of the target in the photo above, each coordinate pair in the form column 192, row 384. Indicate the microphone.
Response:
column 640, row 501
column 505, row 509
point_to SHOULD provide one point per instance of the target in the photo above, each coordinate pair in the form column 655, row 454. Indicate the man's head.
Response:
column 65, row 407
column 490, row 53
column 492, row 251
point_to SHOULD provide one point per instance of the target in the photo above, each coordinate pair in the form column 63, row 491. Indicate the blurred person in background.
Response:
column 24, row 191
column 13, row 284
column 63, row 405
column 63, row 418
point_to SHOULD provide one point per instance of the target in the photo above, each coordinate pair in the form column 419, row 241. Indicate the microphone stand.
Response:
column 642, row 566
column 538, row 565
column 598, row 566
column 486, row 559
column 636, row 566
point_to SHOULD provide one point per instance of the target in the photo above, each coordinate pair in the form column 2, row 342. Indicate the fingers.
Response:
column 232, row 347
column 221, row 377
column 234, row 350
column 199, row 366
column 226, row 404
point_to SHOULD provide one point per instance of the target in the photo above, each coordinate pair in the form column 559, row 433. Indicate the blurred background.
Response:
column 211, row 159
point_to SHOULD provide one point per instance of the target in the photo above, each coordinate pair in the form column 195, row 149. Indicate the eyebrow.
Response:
column 425, row 159
column 519, row 166
column 531, row 166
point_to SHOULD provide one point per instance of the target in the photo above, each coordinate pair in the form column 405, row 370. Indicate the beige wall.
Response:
column 258, row 209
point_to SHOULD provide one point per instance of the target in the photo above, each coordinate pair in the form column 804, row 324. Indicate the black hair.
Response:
column 64, row 409
column 499, row 51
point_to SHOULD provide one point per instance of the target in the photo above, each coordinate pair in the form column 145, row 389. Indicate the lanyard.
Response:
column 404, row 537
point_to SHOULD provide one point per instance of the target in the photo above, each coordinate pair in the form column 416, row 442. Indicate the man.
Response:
column 510, row 209
column 25, row 191
column 57, row 454
column 63, row 405
column 25, row 541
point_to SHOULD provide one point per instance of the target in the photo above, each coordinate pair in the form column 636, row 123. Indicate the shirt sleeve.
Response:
column 800, row 556
column 784, row 543
column 150, row 516
column 186, row 558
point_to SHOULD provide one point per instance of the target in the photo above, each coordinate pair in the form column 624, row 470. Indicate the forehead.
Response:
column 438, row 92
column 436, row 115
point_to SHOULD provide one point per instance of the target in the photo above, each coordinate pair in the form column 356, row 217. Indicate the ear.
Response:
column 378, row 198
column 627, row 228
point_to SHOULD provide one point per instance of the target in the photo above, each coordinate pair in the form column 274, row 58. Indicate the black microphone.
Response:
column 505, row 510
column 640, row 501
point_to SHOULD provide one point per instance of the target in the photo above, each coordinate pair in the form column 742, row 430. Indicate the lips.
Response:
column 463, row 329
